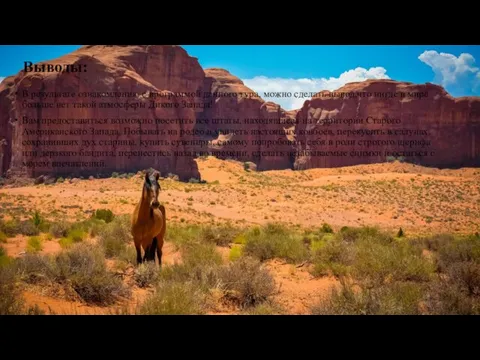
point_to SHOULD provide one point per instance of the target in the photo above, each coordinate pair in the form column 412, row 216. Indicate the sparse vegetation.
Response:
column 115, row 236
column 225, row 266
column 275, row 241
column 82, row 269
column 146, row 274
column 103, row 214
column 247, row 281
column 174, row 298
column 34, row 244
column 10, row 301
column 59, row 229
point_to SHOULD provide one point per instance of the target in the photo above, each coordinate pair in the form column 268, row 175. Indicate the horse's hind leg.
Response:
column 146, row 255
column 139, row 254
column 153, row 248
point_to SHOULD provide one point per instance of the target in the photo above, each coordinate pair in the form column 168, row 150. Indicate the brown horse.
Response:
column 149, row 221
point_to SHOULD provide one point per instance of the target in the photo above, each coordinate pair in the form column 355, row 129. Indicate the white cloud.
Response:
column 261, row 84
column 449, row 69
column 1, row 79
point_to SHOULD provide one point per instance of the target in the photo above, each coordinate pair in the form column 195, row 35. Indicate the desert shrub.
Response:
column 174, row 298
column 435, row 242
column 466, row 276
column 66, row 242
column 265, row 308
column 445, row 297
column 235, row 253
column 34, row 244
column 221, row 235
column 275, row 241
column 10, row 299
column 199, row 266
column 115, row 236
column 194, row 181
column 76, row 235
column 10, row 227
column 146, row 274
column 462, row 249
column 4, row 258
column 115, row 174
column 332, row 256
column 129, row 255
column 352, row 234
column 378, row 263
column 248, row 281
column 400, row 233
column 399, row 298
column 369, row 255
column 201, row 255
column 326, row 228
column 83, row 266
column 37, row 219
column 104, row 214
column 60, row 180
column 28, row 228
column 3, row 237
column 34, row 310
column 59, row 229
column 181, row 235
column 35, row 268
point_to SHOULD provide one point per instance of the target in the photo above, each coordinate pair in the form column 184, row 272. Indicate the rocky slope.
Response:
column 421, row 123
column 140, row 69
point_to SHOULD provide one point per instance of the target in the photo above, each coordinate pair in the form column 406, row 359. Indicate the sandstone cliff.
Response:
column 141, row 69
column 425, row 125
column 254, row 130
column 421, row 123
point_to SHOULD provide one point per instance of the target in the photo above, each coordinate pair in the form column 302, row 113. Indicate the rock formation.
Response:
column 377, row 119
column 245, row 125
column 142, row 106
column 112, row 70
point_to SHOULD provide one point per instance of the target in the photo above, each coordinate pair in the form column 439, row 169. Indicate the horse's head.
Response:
column 152, row 189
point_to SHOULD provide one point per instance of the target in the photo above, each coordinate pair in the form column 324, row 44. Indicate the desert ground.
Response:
column 368, row 239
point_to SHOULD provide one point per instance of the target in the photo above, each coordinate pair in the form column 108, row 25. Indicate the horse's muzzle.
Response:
column 155, row 205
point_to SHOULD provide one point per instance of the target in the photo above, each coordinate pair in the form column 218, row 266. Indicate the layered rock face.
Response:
column 388, row 119
column 244, row 126
column 133, row 109
column 33, row 145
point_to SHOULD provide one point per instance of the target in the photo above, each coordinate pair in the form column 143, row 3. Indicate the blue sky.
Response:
column 310, row 68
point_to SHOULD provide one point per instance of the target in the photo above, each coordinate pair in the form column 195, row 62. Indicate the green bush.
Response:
column 104, row 214
column 399, row 298
column 59, row 229
column 34, row 244
column 146, row 274
column 10, row 228
column 10, row 297
column 28, row 228
column 81, row 268
column 115, row 236
column 247, row 280
column 174, row 298
column 275, row 241
column 326, row 228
